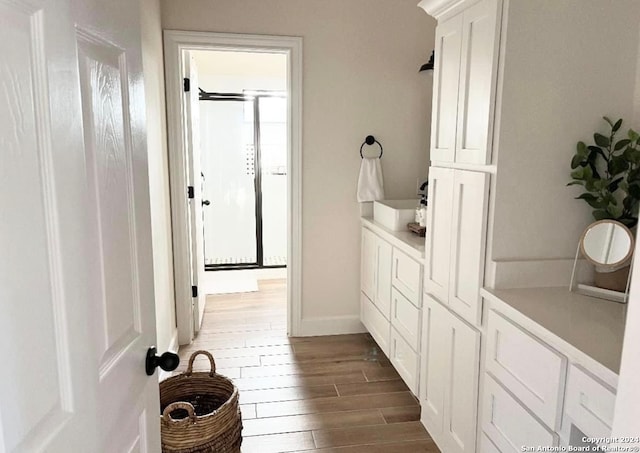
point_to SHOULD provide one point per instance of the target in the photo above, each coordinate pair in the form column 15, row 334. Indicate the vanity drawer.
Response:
column 487, row 446
column 589, row 403
column 405, row 317
column 509, row 425
column 531, row 370
column 405, row 360
column 376, row 324
column 407, row 277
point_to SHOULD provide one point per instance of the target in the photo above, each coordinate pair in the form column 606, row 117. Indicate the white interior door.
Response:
column 196, row 230
column 76, row 273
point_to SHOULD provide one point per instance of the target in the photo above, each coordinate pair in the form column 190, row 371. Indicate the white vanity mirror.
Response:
column 608, row 246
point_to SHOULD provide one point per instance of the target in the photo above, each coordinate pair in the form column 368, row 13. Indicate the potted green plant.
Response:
column 609, row 171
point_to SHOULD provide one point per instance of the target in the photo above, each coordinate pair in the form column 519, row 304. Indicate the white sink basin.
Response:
column 394, row 214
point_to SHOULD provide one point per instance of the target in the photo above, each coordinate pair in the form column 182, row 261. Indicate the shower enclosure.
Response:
column 244, row 179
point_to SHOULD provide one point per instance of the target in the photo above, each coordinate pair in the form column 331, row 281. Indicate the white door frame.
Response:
column 175, row 43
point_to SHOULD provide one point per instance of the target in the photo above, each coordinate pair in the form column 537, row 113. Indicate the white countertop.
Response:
column 593, row 326
column 407, row 241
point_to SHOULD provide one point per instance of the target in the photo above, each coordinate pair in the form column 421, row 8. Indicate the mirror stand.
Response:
column 592, row 290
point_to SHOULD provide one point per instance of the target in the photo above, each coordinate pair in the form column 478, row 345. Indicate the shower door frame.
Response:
column 253, row 96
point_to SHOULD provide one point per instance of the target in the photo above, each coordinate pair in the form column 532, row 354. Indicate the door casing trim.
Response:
column 175, row 43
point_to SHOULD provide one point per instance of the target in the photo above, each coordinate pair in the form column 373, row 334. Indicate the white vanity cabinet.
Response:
column 455, row 245
column 544, row 382
column 391, row 297
column 449, row 388
column 464, row 85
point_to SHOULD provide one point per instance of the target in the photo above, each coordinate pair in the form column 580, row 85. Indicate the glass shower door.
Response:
column 229, row 183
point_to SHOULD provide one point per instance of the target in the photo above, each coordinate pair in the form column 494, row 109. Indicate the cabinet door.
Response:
column 439, row 225
column 445, row 89
column 368, row 264
column 461, row 396
column 470, row 195
column 449, row 386
column 433, row 367
column 376, row 324
column 384, row 264
column 478, row 69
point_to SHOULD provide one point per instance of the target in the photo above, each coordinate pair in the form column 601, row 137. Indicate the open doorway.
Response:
column 243, row 126
column 243, row 141
column 234, row 133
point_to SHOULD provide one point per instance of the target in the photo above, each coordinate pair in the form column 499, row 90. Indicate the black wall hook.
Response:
column 370, row 140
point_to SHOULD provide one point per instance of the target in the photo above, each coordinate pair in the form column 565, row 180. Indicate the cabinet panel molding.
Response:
column 384, row 254
column 448, row 48
column 478, row 74
column 439, row 227
column 470, row 205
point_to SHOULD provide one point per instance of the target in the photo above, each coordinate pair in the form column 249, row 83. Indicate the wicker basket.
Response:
column 200, row 412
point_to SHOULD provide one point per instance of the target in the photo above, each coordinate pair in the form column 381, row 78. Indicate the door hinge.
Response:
column 194, row 291
column 187, row 84
column 190, row 192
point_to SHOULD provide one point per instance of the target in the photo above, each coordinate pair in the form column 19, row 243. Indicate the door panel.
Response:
column 480, row 38
column 383, row 277
column 434, row 367
column 108, row 157
column 196, row 236
column 228, row 142
column 439, row 226
column 470, row 204
column 123, row 309
column 445, row 93
column 368, row 267
column 37, row 390
column 461, row 406
column 75, row 250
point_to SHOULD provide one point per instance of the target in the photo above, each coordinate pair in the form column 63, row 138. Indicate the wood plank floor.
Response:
column 335, row 394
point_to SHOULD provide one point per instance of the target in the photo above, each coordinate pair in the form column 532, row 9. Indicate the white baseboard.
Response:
column 331, row 325
column 173, row 347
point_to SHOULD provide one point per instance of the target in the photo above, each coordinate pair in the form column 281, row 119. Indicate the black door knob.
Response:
column 167, row 361
column 206, row 202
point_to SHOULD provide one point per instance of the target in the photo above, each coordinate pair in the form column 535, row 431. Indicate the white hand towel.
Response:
column 370, row 182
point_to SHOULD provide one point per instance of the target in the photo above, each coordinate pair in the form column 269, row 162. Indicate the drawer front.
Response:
column 589, row 403
column 376, row 324
column 486, row 446
column 507, row 424
column 531, row 370
column 407, row 276
column 405, row 317
column 405, row 360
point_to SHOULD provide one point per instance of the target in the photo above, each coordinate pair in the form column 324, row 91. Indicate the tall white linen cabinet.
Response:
column 484, row 50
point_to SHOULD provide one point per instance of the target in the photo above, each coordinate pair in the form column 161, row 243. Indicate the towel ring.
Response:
column 370, row 140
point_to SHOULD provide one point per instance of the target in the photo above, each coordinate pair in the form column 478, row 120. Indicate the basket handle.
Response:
column 211, row 361
column 166, row 413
